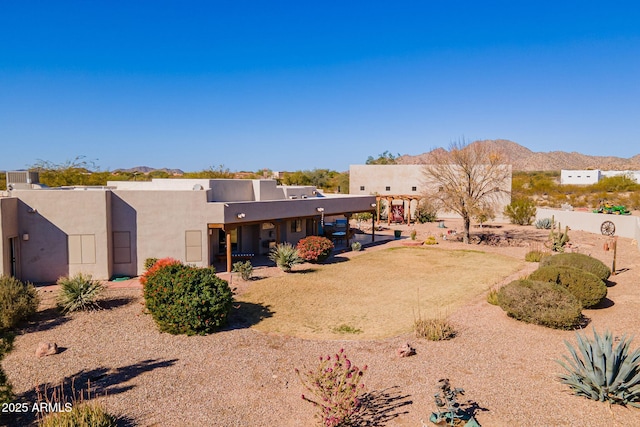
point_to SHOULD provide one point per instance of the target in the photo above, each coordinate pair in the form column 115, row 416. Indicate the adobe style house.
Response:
column 402, row 187
column 110, row 231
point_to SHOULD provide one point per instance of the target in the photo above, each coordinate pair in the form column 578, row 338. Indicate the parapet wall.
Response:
column 626, row 225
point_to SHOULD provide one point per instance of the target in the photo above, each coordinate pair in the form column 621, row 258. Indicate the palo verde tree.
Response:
column 467, row 179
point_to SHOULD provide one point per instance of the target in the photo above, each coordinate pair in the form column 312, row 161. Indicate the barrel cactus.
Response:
column 597, row 370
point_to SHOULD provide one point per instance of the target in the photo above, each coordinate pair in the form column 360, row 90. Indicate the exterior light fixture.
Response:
column 320, row 209
column 241, row 215
column 373, row 205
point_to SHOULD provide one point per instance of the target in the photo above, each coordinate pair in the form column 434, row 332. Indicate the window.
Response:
column 121, row 247
column 296, row 226
column 82, row 249
column 193, row 245
column 414, row 188
column 362, row 188
column 387, row 188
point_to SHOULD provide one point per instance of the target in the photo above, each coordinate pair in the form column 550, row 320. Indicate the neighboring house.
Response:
column 592, row 176
column 110, row 231
column 402, row 187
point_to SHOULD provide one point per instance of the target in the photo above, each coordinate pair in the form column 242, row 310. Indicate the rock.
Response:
column 406, row 351
column 46, row 349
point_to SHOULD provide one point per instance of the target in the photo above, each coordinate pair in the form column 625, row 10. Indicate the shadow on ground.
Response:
column 381, row 406
column 246, row 314
column 45, row 320
column 84, row 385
column 110, row 304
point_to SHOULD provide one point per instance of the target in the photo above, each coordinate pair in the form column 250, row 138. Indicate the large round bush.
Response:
column 186, row 300
column 17, row 301
column 314, row 248
column 581, row 261
column 542, row 303
column 587, row 287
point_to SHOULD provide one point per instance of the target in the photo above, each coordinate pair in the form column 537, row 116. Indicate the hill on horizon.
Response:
column 523, row 159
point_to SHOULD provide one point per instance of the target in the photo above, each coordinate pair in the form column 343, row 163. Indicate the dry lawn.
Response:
column 375, row 295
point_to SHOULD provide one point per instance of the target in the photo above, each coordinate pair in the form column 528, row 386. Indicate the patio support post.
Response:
column 373, row 227
column 278, row 232
column 227, row 233
column 389, row 209
column 377, row 212
column 408, row 211
column 348, row 216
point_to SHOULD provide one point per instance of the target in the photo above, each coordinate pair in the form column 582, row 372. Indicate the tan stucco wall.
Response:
column 49, row 217
column 159, row 219
column 8, row 230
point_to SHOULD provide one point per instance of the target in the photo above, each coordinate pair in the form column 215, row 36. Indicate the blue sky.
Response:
column 299, row 85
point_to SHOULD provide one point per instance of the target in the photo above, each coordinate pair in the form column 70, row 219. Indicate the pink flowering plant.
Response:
column 334, row 386
column 314, row 248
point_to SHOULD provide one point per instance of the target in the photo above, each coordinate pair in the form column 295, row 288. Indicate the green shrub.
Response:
column 149, row 262
column 413, row 234
column 86, row 414
column 541, row 303
column 581, row 261
column 426, row 212
column 356, row 246
column 587, row 287
column 18, row 301
column 604, row 372
column 521, row 211
column 314, row 248
column 79, row 292
column 285, row 255
column 184, row 299
column 244, row 268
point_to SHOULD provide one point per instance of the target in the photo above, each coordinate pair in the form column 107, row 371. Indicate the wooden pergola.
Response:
column 390, row 199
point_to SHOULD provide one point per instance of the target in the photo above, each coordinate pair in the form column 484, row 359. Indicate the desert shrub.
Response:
column 587, row 287
column 431, row 240
column 314, row 248
column 544, row 224
column 521, row 211
column 492, row 297
column 434, row 329
column 542, row 303
column 285, row 255
column 581, row 261
column 426, row 212
column 604, row 372
column 184, row 299
column 79, row 292
column 149, row 262
column 535, row 256
column 356, row 246
column 334, row 385
column 18, row 301
column 244, row 268
column 87, row 414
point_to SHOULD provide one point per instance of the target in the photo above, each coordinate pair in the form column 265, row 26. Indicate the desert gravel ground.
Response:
column 240, row 377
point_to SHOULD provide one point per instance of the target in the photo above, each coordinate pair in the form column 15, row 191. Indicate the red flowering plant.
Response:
column 334, row 386
column 155, row 266
column 314, row 248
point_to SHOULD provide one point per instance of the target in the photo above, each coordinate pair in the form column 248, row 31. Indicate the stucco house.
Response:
column 46, row 233
column 403, row 186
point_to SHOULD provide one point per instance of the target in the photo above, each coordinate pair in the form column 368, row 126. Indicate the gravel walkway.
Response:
column 240, row 377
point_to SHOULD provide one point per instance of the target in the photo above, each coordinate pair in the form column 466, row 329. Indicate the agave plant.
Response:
column 285, row 255
column 79, row 292
column 604, row 372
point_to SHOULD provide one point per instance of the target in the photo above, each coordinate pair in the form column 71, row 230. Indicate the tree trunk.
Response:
column 467, row 227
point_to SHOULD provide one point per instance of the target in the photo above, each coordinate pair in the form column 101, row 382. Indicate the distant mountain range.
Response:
column 524, row 159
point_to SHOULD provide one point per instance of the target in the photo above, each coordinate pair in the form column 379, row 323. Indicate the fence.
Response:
column 626, row 225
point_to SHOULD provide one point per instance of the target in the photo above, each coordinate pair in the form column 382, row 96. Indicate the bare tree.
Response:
column 467, row 179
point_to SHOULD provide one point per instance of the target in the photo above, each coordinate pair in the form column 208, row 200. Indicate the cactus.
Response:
column 559, row 239
column 605, row 373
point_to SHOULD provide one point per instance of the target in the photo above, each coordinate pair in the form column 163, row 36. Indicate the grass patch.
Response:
column 347, row 329
column 377, row 291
